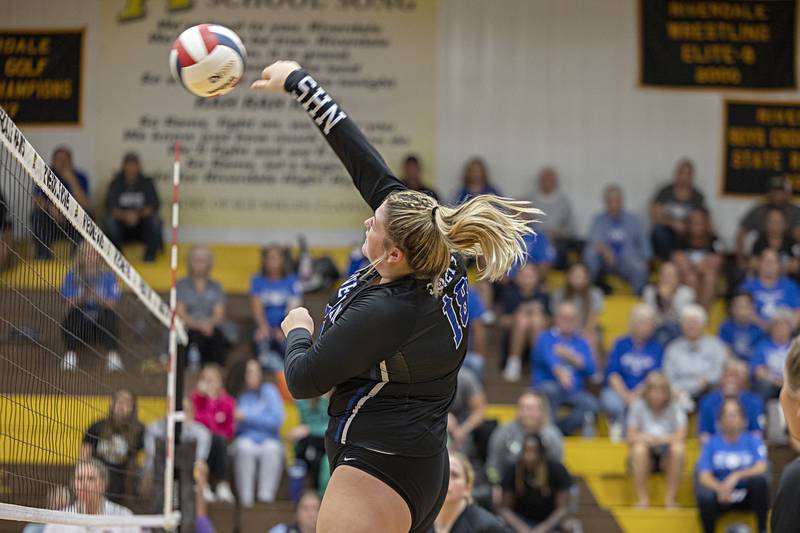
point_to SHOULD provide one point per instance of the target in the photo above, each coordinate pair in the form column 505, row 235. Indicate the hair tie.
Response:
column 433, row 214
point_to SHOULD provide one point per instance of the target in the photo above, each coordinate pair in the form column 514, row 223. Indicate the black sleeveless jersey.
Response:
column 390, row 352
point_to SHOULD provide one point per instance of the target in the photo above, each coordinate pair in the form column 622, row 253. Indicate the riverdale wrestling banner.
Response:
column 761, row 140
column 41, row 77
column 714, row 44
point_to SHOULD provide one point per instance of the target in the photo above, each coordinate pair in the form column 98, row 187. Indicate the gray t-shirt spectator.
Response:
column 505, row 446
column 688, row 364
column 558, row 213
column 756, row 218
column 200, row 305
column 190, row 431
column 467, row 387
column 671, row 419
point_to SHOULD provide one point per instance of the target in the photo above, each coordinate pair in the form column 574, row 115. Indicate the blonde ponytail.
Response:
column 485, row 226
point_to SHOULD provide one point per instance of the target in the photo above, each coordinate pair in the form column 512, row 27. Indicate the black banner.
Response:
column 40, row 80
column 718, row 43
column 761, row 140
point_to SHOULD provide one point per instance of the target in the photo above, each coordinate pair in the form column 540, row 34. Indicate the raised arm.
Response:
column 366, row 167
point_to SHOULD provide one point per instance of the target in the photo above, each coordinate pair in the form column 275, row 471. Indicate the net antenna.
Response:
column 60, row 402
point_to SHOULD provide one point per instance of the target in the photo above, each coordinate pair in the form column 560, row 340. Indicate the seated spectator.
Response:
column 90, row 484
column 777, row 237
column 535, row 491
column 116, row 441
column 698, row 256
column 47, row 223
column 412, row 176
column 671, row 207
column 558, row 221
column 587, row 299
column 6, row 236
column 731, row 471
column 525, row 314
column 632, row 358
column 668, row 297
column 732, row 385
column 273, row 293
column 309, row 436
column 92, row 293
column 657, row 435
column 214, row 408
column 505, row 444
column 58, row 498
column 693, row 362
column 305, row 518
column 561, row 361
column 458, row 513
column 617, row 244
column 741, row 332
column 538, row 251
column 258, row 449
column 201, row 305
column 770, row 358
column 754, row 222
column 475, row 182
column 478, row 336
column 465, row 422
column 770, row 289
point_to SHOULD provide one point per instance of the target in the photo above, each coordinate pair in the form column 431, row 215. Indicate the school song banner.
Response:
column 761, row 140
column 718, row 44
column 40, row 81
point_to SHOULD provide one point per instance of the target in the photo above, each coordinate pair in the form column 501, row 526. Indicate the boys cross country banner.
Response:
column 40, row 83
column 761, row 140
column 715, row 44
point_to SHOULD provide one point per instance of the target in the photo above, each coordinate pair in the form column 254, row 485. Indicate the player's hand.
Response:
column 274, row 76
column 298, row 318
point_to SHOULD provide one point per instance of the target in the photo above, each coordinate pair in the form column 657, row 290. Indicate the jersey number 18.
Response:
column 456, row 310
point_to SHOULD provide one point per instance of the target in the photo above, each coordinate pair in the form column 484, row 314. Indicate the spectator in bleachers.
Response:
column 731, row 471
column 305, row 517
column 215, row 409
column 309, row 436
column 475, row 181
column 116, row 441
column 656, row 434
column 668, row 297
column 525, row 309
column 558, row 222
column 698, row 256
column 89, row 487
column 132, row 208
column 535, row 491
column 693, row 362
column 732, row 385
column 587, row 299
column 92, row 292
column 412, row 176
column 785, row 511
column 465, row 422
column 770, row 289
column 475, row 359
column 47, row 223
column 58, row 498
column 671, row 207
column 6, row 236
column 561, row 362
column 538, row 251
column 201, row 305
column 741, row 332
column 777, row 237
column 258, row 449
column 273, row 292
column 505, row 444
column 632, row 358
column 754, row 222
column 458, row 513
column 617, row 244
column 770, row 355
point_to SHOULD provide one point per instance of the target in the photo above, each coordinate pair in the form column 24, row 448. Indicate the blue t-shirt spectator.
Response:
column 263, row 414
column 742, row 338
column 633, row 363
column 710, row 404
column 545, row 360
column 721, row 458
column 538, row 250
column 784, row 293
column 356, row 262
column 475, row 306
column 771, row 355
column 275, row 295
column 102, row 286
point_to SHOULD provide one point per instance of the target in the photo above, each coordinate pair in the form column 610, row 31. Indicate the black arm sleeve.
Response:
column 371, row 176
column 371, row 329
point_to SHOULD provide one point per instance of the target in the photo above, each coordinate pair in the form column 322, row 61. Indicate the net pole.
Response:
column 169, row 474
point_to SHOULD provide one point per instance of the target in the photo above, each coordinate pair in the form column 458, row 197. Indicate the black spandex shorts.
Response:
column 421, row 481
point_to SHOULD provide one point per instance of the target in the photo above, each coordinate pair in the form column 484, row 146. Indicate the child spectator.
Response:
column 475, row 181
column 741, row 332
column 309, row 436
column 732, row 385
column 770, row 358
column 698, row 256
column 587, row 299
column 668, row 297
column 770, row 289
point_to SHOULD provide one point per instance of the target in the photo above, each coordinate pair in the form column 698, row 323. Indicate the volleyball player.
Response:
column 786, row 508
column 394, row 335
